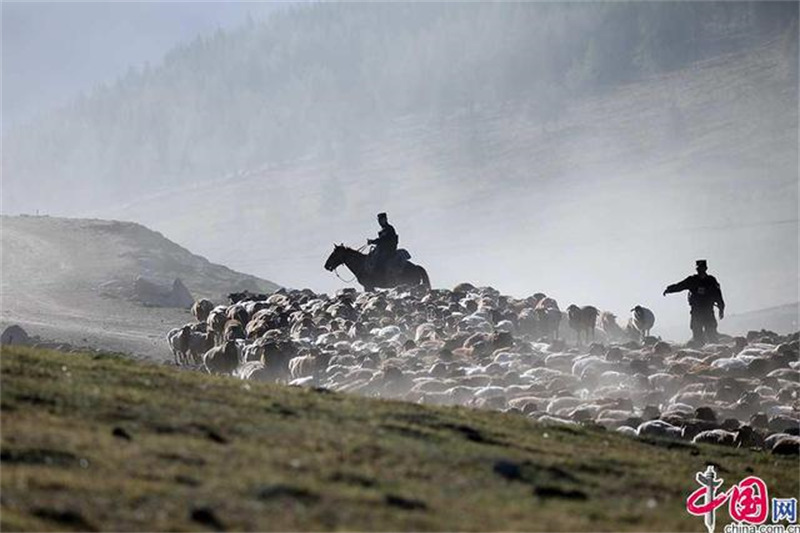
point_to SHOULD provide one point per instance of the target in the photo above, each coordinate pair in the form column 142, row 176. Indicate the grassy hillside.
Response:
column 100, row 442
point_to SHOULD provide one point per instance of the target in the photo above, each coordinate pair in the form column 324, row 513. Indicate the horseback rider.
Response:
column 385, row 266
column 385, row 245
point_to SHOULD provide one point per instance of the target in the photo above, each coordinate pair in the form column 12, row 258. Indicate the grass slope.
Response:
column 101, row 442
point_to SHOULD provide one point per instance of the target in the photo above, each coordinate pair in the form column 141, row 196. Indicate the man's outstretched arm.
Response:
column 677, row 287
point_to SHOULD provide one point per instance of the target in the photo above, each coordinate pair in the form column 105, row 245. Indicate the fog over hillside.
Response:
column 589, row 151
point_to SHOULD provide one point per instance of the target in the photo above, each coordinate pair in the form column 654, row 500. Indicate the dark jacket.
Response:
column 703, row 292
column 386, row 242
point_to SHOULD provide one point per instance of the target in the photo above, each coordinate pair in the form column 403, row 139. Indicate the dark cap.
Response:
column 701, row 263
column 381, row 215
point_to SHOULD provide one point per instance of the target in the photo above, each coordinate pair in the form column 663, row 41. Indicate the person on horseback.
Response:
column 385, row 266
column 385, row 245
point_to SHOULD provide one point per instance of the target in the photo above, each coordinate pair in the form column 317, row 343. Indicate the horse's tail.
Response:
column 424, row 277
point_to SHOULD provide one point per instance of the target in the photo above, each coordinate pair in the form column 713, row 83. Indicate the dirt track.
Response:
column 114, row 326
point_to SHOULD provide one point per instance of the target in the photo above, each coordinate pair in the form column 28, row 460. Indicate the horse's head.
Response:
column 336, row 258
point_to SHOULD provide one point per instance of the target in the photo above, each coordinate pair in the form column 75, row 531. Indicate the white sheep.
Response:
column 173, row 339
column 642, row 321
column 659, row 428
column 716, row 436
column 302, row 366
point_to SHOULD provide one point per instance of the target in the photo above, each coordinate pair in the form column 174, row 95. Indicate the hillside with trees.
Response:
column 324, row 78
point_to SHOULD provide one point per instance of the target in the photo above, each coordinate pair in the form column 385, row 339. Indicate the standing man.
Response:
column 704, row 292
column 385, row 244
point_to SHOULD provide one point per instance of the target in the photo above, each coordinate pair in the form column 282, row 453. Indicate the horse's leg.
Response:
column 415, row 275
column 424, row 277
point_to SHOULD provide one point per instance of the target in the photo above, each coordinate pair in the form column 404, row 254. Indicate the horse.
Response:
column 410, row 274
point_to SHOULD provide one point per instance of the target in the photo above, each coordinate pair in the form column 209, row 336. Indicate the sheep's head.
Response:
column 609, row 318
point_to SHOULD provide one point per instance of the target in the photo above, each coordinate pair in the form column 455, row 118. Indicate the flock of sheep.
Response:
column 475, row 347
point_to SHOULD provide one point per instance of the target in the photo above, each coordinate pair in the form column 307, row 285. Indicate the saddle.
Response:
column 391, row 266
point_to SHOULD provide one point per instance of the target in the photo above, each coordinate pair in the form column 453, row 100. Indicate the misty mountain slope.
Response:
column 783, row 318
column 606, row 205
column 53, row 269
column 330, row 78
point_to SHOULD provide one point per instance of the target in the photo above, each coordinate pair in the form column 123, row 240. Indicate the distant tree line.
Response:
column 321, row 78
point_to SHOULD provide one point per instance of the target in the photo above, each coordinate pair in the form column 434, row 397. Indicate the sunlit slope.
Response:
column 104, row 443
column 782, row 319
column 53, row 270
column 86, row 252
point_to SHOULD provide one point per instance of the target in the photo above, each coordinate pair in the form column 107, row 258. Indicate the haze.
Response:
column 581, row 150
column 53, row 51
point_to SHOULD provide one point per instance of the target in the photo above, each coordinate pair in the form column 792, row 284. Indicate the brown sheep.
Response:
column 233, row 330
column 789, row 445
column 222, row 359
column 548, row 321
column 237, row 312
column 201, row 308
column 548, row 317
column 610, row 326
column 216, row 322
column 527, row 321
column 192, row 344
column 276, row 354
column 582, row 320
